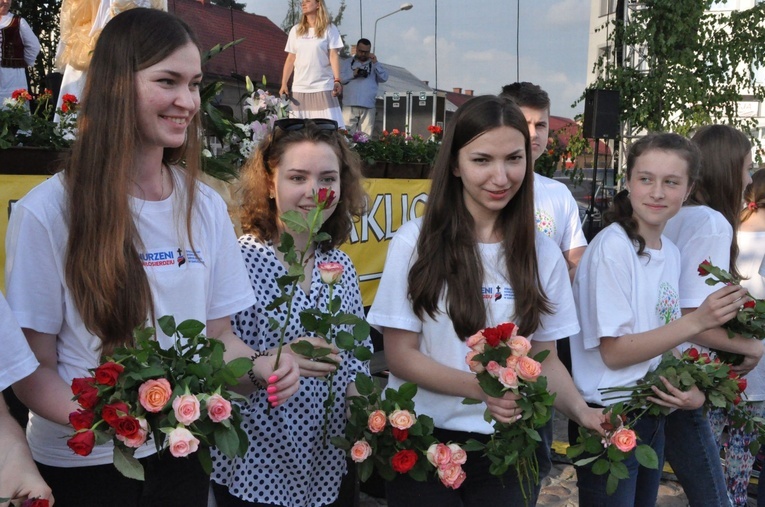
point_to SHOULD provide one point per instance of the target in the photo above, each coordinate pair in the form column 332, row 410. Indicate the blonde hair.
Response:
column 322, row 21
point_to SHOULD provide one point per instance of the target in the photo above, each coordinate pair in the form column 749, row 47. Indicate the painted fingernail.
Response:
column 272, row 379
column 272, row 389
column 273, row 398
column 518, row 417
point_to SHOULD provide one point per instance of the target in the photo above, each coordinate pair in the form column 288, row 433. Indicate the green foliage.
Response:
column 28, row 121
column 396, row 147
column 696, row 64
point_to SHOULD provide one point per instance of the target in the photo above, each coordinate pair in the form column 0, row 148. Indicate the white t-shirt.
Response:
column 751, row 248
column 205, row 284
column 16, row 360
column 557, row 214
column 313, row 72
column 437, row 338
column 619, row 293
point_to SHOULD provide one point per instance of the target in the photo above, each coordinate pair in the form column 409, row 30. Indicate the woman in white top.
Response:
column 123, row 235
column 474, row 260
column 628, row 304
column 313, row 53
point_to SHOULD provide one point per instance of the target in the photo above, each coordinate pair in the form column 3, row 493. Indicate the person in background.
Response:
column 19, row 478
column 313, row 53
column 705, row 229
column 361, row 76
column 19, row 48
column 80, row 246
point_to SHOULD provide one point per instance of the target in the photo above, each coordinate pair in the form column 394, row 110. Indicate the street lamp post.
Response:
column 404, row 7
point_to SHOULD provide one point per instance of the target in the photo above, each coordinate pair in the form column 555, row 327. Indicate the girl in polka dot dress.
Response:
column 288, row 463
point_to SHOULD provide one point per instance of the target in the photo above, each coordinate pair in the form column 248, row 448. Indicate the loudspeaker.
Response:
column 601, row 114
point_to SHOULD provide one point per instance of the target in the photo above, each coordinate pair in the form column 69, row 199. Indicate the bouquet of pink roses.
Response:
column 499, row 358
column 177, row 396
column 385, row 434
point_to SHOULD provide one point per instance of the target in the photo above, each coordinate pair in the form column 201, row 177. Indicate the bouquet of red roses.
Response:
column 499, row 357
column 385, row 434
column 179, row 397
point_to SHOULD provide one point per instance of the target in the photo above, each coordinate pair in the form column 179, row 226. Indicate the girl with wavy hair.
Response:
column 626, row 289
column 476, row 239
column 124, row 235
column 313, row 53
column 289, row 463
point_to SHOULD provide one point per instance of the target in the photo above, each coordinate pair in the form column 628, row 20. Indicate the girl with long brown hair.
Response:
column 474, row 260
column 124, row 235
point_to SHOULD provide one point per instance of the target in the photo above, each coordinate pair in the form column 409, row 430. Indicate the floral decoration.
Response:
column 499, row 358
column 385, row 434
column 20, row 125
column 178, row 397
column 397, row 147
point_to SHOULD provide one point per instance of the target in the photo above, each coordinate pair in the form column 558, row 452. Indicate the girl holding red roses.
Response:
column 289, row 463
column 626, row 288
column 705, row 229
column 125, row 234
column 474, row 261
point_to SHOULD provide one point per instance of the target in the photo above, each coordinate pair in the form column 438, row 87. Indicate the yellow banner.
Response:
column 392, row 203
column 12, row 188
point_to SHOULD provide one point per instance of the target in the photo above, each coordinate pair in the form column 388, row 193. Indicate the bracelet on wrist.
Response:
column 259, row 384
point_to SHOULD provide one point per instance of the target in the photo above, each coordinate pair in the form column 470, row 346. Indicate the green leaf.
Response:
column 294, row 221
column 239, row 366
column 125, row 462
column 340, row 443
column 473, row 445
column 647, row 457
column 471, row 401
column 364, row 384
column 407, row 390
column 611, row 484
column 585, row 461
column 619, row 470
column 365, row 469
column 344, row 340
column 167, row 324
column 600, row 467
column 303, row 347
column 362, row 353
column 190, row 328
column 203, row 455
column 226, row 440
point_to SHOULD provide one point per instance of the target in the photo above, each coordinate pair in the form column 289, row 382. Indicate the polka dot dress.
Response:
column 287, row 463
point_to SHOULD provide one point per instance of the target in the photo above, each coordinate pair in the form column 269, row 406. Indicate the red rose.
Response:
column 127, row 427
column 506, row 330
column 493, row 336
column 108, row 373
column 326, row 196
column 82, row 419
column 85, row 392
column 737, row 400
column 704, row 268
column 82, row 442
column 704, row 358
column 742, row 385
column 750, row 304
column 35, row 502
column 110, row 415
column 693, row 353
column 403, row 461
column 400, row 435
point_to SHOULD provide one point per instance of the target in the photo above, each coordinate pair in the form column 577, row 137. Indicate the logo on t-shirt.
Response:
column 166, row 259
column 668, row 306
column 181, row 258
column 545, row 222
column 497, row 293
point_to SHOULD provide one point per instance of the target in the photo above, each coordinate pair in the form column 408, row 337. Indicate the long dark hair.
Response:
column 108, row 283
column 258, row 213
column 621, row 210
column 448, row 260
column 721, row 184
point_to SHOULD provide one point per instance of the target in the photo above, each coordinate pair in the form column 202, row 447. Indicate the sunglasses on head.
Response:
column 290, row 124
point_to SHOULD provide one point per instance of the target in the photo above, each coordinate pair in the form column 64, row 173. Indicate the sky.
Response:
column 476, row 41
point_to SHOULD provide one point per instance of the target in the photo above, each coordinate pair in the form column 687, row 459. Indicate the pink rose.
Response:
column 218, row 408
column 401, row 419
column 528, row 369
column 508, row 378
column 493, row 368
column 451, row 475
column 360, row 451
column 330, row 272
column 377, row 421
column 439, row 455
column 154, row 394
column 512, row 362
column 474, row 366
column 519, row 345
column 139, row 438
column 624, row 439
column 459, row 456
column 181, row 442
column 476, row 342
column 186, row 408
